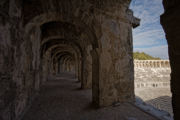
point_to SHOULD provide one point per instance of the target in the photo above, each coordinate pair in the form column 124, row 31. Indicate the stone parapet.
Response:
column 151, row 64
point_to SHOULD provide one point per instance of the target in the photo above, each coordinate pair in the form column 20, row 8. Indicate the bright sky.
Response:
column 149, row 37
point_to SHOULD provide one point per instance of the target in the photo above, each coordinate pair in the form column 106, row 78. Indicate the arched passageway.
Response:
column 93, row 39
column 61, row 98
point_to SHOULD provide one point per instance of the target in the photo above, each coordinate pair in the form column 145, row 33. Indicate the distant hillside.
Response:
column 143, row 56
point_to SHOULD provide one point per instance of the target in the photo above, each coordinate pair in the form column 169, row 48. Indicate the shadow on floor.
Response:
column 162, row 103
column 61, row 99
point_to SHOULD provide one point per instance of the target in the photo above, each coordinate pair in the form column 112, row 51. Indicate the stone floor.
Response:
column 160, row 98
column 62, row 99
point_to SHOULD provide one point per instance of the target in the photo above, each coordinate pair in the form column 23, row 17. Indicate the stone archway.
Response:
column 101, row 28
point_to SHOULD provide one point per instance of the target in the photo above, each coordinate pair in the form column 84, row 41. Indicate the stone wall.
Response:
column 36, row 36
column 152, row 83
column 152, row 74
column 171, row 25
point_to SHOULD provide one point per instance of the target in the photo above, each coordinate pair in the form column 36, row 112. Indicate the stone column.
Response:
column 76, row 68
column 80, row 69
column 170, row 21
column 116, row 69
column 87, row 70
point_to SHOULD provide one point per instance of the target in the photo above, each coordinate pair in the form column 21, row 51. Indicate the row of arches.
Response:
column 152, row 63
column 66, row 52
column 92, row 38
column 75, row 37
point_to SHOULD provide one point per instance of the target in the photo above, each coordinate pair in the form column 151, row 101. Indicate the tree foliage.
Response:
column 143, row 56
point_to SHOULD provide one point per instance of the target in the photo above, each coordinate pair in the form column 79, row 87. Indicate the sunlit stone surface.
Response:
column 152, row 83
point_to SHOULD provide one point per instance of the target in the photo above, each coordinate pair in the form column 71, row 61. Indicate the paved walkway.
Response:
column 62, row 99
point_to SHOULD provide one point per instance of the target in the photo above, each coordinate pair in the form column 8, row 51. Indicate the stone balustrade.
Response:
column 151, row 64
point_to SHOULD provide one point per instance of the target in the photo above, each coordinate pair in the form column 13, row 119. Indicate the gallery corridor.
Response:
column 61, row 98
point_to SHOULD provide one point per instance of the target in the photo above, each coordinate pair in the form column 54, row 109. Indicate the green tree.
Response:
column 143, row 56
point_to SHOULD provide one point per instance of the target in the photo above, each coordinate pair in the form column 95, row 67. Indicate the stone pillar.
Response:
column 170, row 21
column 69, row 66
column 116, row 69
column 80, row 69
column 76, row 68
column 87, row 70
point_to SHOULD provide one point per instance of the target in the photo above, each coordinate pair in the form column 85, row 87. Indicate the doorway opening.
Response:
column 151, row 61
